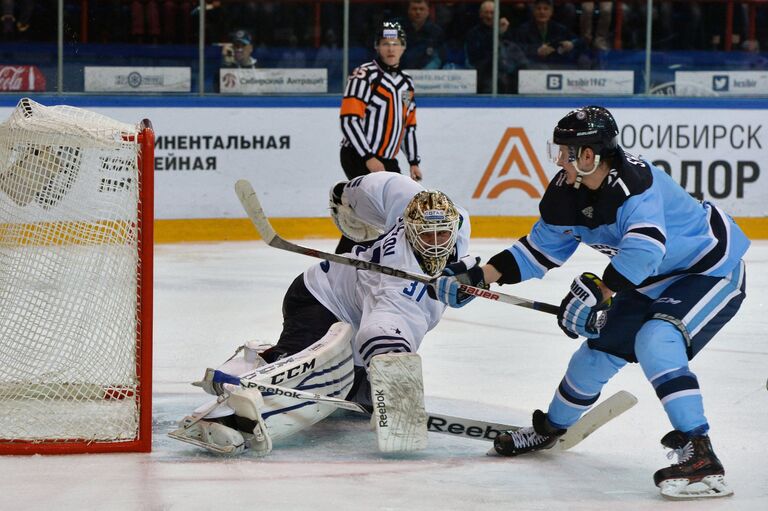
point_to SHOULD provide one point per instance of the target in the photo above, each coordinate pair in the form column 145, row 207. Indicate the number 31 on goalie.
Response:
column 411, row 290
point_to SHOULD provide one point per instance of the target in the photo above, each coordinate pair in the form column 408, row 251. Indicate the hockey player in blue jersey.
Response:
column 675, row 278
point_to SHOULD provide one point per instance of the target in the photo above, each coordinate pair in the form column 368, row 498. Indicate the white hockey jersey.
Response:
column 389, row 314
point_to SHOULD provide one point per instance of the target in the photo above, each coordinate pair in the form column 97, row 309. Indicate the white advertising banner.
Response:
column 495, row 164
column 569, row 82
column 444, row 81
column 137, row 79
column 721, row 83
column 273, row 81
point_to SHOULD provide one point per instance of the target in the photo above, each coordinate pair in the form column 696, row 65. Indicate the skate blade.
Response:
column 708, row 487
column 181, row 435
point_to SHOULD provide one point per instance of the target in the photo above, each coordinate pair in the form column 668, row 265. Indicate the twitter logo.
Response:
column 720, row 83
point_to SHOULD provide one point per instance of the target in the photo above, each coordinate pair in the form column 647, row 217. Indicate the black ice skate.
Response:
column 698, row 473
column 542, row 435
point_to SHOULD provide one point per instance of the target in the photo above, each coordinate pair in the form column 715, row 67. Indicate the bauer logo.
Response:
column 513, row 166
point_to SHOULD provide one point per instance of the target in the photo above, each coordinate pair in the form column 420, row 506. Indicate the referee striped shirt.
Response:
column 378, row 113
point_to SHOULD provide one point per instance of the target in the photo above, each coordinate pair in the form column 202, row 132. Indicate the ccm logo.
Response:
column 478, row 292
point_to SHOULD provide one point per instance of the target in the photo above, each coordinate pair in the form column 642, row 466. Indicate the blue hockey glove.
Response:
column 580, row 310
column 466, row 271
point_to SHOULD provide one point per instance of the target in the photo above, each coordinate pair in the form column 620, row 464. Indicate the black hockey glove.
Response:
column 580, row 311
column 466, row 271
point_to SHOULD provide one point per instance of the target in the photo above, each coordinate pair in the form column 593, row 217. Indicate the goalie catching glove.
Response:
column 581, row 311
column 447, row 287
column 345, row 218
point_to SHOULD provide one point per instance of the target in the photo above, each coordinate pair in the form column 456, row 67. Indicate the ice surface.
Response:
column 488, row 360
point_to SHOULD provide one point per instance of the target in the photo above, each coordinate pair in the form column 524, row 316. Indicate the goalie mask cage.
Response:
column 76, row 213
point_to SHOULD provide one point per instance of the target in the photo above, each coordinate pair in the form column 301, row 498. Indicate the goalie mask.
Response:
column 431, row 227
column 589, row 126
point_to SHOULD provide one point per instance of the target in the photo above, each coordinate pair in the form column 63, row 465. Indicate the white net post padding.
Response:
column 71, row 279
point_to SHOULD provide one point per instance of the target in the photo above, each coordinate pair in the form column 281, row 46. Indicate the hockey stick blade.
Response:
column 252, row 206
column 597, row 417
column 601, row 414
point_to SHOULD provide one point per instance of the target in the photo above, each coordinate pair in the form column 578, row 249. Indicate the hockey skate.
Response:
column 698, row 472
column 210, row 435
column 233, row 434
column 542, row 435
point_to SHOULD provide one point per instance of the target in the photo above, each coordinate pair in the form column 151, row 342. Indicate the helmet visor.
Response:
column 560, row 154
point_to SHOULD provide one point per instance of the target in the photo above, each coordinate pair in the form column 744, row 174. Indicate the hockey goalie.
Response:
column 347, row 333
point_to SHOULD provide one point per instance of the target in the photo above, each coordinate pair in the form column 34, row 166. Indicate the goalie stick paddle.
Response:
column 252, row 206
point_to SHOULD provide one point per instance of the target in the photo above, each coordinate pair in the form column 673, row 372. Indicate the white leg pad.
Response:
column 397, row 394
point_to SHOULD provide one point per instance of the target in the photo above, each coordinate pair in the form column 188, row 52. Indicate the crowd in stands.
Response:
column 680, row 24
column 440, row 34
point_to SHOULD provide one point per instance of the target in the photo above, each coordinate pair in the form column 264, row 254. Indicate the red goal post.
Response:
column 76, row 245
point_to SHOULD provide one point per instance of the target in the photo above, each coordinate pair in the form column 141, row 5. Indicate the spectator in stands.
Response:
column 240, row 53
column 330, row 57
column 16, row 16
column 600, row 40
column 425, row 38
column 145, row 21
column 479, row 51
column 293, row 55
column 546, row 43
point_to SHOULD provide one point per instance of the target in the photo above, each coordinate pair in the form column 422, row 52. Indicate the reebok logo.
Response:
column 513, row 165
column 381, row 408
column 441, row 425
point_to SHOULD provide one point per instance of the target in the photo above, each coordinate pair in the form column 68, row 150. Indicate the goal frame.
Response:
column 145, row 138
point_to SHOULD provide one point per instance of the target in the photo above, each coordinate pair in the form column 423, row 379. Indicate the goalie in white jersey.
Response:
column 422, row 231
column 336, row 318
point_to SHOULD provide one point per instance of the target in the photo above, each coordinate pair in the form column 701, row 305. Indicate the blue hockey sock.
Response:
column 580, row 388
column 661, row 351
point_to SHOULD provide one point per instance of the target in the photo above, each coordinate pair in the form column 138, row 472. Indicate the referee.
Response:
column 378, row 114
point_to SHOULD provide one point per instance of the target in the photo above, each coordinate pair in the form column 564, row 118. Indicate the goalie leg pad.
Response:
column 250, row 360
column 397, row 395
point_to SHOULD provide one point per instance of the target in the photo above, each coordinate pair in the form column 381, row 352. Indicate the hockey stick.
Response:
column 598, row 416
column 221, row 377
column 252, row 206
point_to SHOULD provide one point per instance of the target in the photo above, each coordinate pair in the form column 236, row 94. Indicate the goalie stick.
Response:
column 252, row 206
column 597, row 417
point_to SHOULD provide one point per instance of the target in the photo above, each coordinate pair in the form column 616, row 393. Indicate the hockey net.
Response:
column 75, row 281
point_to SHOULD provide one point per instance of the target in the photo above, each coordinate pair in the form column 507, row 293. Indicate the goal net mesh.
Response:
column 69, row 275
